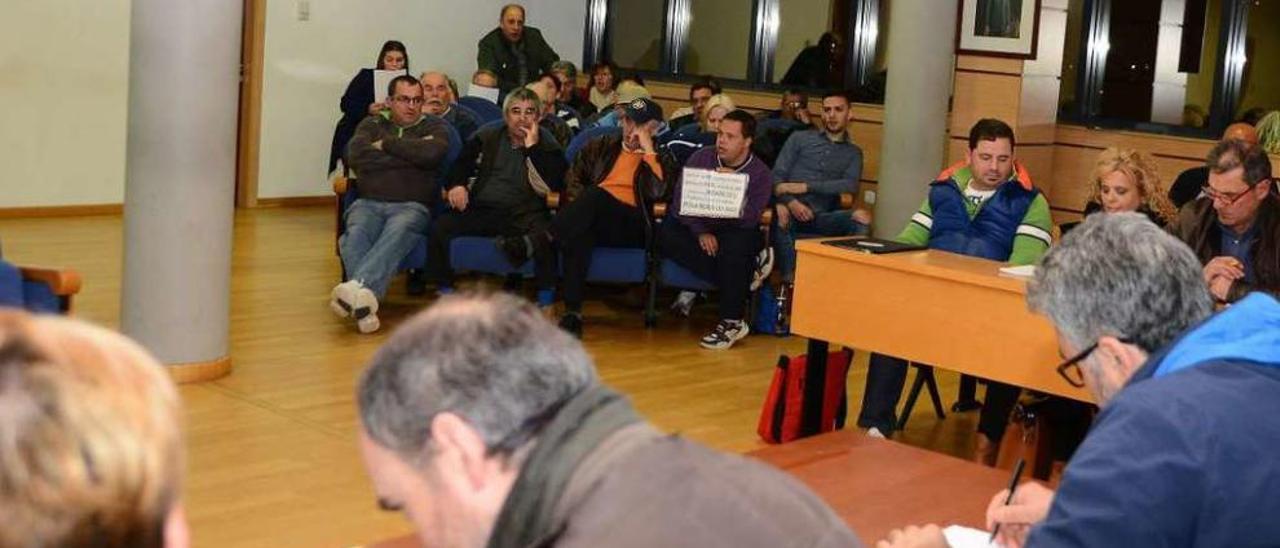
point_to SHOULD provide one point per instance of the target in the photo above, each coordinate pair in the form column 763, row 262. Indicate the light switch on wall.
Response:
column 304, row 10
column 869, row 197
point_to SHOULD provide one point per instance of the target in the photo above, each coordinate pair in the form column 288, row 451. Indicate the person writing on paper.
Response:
column 358, row 101
column 987, row 207
column 1170, row 460
column 722, row 250
column 439, row 101
column 398, row 156
column 814, row 168
column 498, row 187
column 515, row 53
column 1235, row 227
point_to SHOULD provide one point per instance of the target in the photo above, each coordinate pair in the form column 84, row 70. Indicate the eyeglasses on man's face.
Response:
column 1228, row 198
column 404, row 99
column 1070, row 369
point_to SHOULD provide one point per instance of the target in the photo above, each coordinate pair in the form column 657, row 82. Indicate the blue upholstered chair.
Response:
column 484, row 109
column 40, row 290
column 581, row 139
column 347, row 191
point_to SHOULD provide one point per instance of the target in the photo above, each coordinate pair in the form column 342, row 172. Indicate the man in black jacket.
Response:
column 514, row 52
column 513, row 167
column 613, row 182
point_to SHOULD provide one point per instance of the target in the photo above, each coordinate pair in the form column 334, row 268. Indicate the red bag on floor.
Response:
column 804, row 400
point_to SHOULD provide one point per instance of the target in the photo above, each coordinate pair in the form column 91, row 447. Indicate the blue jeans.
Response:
column 378, row 236
column 831, row 223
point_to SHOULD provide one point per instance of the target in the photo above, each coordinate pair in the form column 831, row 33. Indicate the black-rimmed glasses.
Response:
column 1070, row 369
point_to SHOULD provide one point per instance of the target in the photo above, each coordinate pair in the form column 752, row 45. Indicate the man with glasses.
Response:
column 396, row 154
column 1183, row 450
column 498, row 187
column 1234, row 228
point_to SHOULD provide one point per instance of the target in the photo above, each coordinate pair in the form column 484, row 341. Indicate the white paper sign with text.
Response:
column 712, row 194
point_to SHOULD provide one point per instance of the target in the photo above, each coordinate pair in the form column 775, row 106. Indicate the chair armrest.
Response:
column 847, row 200
column 340, row 185
column 553, row 200
column 62, row 283
column 766, row 217
column 659, row 210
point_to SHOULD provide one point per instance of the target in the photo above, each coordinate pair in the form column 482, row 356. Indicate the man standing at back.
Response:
column 397, row 155
column 485, row 425
column 815, row 167
column 984, row 207
column 515, row 53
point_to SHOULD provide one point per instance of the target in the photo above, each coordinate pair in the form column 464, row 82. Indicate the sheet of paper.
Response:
column 483, row 92
column 707, row 193
column 1024, row 271
column 380, row 80
column 959, row 536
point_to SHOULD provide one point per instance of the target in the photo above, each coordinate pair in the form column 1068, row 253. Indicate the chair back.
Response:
column 581, row 139
column 484, row 109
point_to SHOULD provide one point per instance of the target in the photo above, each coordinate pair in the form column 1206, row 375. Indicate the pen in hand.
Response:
column 1013, row 484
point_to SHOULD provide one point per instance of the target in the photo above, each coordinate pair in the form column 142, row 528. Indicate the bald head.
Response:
column 1241, row 131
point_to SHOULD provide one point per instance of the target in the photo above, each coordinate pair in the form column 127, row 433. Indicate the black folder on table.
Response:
column 875, row 246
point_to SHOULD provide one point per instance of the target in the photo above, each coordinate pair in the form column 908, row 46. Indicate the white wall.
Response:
column 307, row 65
column 63, row 101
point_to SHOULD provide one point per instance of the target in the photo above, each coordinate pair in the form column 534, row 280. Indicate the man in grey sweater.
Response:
column 397, row 155
column 486, row 425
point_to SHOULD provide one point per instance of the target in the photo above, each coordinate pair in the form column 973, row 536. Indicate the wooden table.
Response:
column 929, row 307
column 875, row 485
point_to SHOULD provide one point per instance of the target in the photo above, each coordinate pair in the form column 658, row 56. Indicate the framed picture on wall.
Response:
column 1000, row 28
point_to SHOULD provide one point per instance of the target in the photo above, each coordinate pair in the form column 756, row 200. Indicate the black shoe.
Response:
column 515, row 248
column 962, row 406
column 572, row 323
column 416, row 283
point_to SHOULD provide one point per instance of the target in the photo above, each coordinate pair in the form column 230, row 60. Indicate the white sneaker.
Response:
column 764, row 266
column 343, row 298
column 684, row 303
column 365, row 309
column 874, row 432
column 726, row 333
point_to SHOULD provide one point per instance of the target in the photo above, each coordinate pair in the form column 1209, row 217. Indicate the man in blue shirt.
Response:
column 1170, row 460
column 1234, row 227
column 813, row 169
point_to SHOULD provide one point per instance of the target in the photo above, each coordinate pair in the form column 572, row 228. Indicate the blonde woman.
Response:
column 717, row 106
column 683, row 143
column 1127, row 180
column 91, row 449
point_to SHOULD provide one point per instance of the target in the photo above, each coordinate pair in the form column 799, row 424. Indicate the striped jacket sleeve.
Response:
column 1034, row 235
column 919, row 227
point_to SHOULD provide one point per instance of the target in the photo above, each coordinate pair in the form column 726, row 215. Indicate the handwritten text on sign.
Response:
column 706, row 193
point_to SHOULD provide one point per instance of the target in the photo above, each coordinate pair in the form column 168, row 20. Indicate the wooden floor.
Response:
column 272, row 454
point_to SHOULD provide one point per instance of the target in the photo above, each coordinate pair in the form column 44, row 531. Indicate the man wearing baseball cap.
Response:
column 612, row 184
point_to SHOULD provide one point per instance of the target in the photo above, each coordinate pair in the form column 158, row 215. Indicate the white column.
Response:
column 921, row 60
column 184, row 73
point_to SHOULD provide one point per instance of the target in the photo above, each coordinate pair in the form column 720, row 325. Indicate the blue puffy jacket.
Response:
column 990, row 233
column 1186, row 453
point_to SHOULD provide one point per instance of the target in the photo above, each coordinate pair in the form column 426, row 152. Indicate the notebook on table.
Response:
column 875, row 246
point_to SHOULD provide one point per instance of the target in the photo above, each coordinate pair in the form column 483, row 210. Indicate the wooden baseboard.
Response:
column 295, row 201
column 184, row 373
column 61, row 211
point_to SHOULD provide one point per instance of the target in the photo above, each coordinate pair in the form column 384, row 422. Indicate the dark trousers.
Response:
column 730, row 269
column 594, row 218
column 885, row 379
column 489, row 222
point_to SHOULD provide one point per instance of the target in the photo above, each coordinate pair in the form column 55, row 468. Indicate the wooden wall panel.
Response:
column 867, row 136
column 1072, row 173
column 982, row 95
column 989, row 64
column 1038, row 160
column 1037, row 119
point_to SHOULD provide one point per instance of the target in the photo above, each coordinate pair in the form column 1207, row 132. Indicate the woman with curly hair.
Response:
column 1127, row 180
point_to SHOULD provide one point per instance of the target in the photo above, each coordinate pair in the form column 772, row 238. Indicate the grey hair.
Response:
column 1120, row 275
column 567, row 67
column 493, row 360
column 522, row 94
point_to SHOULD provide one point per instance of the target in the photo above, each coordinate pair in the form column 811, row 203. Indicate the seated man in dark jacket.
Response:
column 498, row 187
column 1170, row 460
column 1189, row 184
column 487, row 426
column 1235, row 227
column 515, row 53
column 397, row 155
column 610, row 188
column 440, row 100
